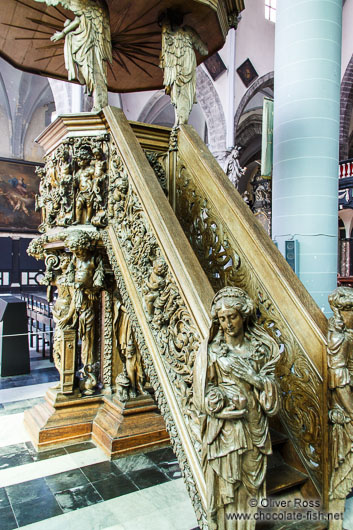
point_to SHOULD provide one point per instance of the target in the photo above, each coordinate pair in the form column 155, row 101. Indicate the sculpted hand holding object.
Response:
column 88, row 46
column 235, row 390
column 178, row 61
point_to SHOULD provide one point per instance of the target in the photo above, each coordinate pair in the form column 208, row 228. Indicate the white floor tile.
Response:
column 24, row 392
column 12, row 430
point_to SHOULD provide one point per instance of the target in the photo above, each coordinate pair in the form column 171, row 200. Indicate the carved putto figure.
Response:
column 235, row 390
column 340, row 376
column 233, row 168
column 154, row 285
column 84, row 185
column 88, row 46
column 178, row 60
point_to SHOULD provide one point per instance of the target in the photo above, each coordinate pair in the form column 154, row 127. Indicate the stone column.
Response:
column 306, row 138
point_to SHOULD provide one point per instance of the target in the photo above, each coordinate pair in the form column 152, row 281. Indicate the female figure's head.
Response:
column 232, row 310
column 341, row 302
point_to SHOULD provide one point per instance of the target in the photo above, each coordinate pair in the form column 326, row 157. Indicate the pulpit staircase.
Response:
column 209, row 239
column 177, row 231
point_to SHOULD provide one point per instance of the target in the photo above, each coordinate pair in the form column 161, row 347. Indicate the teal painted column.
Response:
column 306, row 138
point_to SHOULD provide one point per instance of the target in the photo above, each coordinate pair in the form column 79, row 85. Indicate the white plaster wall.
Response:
column 255, row 38
column 32, row 151
column 134, row 102
column 5, row 148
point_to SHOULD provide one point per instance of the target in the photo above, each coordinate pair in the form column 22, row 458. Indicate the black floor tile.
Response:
column 101, row 471
column 4, row 501
column 79, row 447
column 162, row 455
column 7, row 519
column 14, row 460
column 13, row 449
column 80, row 497
column 45, row 455
column 32, row 511
column 112, row 487
column 67, row 480
column 27, row 491
column 146, row 478
column 171, row 469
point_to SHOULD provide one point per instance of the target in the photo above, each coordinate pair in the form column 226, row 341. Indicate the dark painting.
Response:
column 18, row 187
column 247, row 72
column 215, row 66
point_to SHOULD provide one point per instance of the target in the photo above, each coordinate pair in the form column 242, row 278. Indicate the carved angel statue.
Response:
column 340, row 377
column 235, row 391
column 233, row 168
column 88, row 46
column 178, row 61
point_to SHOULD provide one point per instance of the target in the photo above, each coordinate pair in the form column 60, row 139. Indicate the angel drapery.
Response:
column 87, row 45
column 178, row 61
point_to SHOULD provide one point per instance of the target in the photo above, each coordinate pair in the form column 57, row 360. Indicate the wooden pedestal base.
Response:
column 115, row 427
column 61, row 420
column 125, row 428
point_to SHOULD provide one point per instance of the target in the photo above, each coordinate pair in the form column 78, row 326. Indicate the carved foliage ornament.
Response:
column 171, row 324
column 225, row 264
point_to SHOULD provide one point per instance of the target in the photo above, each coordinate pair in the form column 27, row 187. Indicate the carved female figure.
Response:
column 235, row 390
column 340, row 374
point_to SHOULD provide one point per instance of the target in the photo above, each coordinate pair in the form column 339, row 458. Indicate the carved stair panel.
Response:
column 164, row 290
column 234, row 250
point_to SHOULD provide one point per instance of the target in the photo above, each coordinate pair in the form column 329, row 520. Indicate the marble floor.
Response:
column 78, row 487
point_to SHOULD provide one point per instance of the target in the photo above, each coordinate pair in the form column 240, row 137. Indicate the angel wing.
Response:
column 64, row 3
column 174, row 48
column 76, row 6
column 99, row 15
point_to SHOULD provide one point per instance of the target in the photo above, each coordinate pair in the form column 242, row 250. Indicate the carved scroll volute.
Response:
column 340, row 382
column 234, row 391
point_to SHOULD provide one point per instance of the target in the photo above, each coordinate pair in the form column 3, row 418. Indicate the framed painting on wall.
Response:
column 18, row 187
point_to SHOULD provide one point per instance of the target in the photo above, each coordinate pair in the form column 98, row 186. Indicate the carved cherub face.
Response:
column 64, row 261
column 160, row 267
column 230, row 321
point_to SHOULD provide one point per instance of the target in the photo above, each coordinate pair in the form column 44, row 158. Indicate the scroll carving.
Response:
column 157, row 162
column 225, row 264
